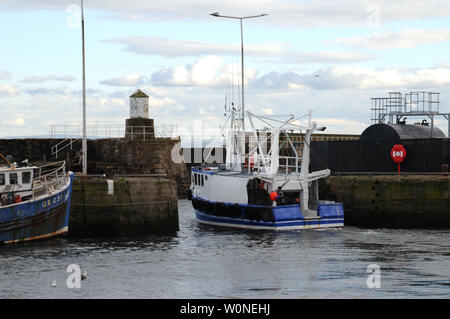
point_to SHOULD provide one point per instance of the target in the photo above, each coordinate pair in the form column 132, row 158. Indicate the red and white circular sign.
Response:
column 398, row 153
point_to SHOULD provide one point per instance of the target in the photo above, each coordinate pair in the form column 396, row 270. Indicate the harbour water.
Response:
column 209, row 262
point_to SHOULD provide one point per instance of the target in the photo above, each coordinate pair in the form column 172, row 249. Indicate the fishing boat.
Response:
column 34, row 201
column 260, row 188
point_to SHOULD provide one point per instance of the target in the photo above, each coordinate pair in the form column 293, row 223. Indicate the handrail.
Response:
column 72, row 140
column 286, row 159
column 52, row 178
column 111, row 131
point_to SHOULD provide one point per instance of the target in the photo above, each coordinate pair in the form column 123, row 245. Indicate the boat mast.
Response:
column 84, row 143
column 216, row 14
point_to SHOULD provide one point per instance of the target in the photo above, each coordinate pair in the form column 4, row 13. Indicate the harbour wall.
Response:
column 369, row 200
column 392, row 201
column 145, row 181
column 105, row 156
column 103, row 207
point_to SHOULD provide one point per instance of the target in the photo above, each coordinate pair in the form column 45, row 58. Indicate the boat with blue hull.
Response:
column 281, row 218
column 261, row 189
column 35, row 202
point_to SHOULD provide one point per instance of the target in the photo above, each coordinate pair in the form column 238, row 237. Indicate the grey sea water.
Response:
column 209, row 262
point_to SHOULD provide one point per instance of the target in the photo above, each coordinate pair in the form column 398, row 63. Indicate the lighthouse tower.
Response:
column 139, row 126
column 139, row 105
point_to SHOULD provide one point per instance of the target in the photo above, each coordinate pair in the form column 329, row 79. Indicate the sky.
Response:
column 328, row 56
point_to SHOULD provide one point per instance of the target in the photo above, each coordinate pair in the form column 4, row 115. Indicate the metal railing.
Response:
column 49, row 178
column 412, row 103
column 72, row 133
column 63, row 144
column 112, row 131
column 287, row 164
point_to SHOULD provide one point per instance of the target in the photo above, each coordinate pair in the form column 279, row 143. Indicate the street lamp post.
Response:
column 216, row 14
column 84, row 143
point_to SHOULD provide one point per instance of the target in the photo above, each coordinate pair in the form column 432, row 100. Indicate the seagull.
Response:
column 54, row 284
column 84, row 275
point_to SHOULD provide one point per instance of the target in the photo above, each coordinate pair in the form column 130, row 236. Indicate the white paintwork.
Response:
column 274, row 151
column 221, row 188
column 110, row 186
column 234, row 147
column 21, row 188
column 138, row 107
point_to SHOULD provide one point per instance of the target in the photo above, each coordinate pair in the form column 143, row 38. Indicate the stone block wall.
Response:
column 418, row 201
column 136, row 206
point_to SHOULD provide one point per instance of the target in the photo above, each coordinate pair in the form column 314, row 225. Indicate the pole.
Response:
column 242, row 77
column 216, row 14
column 84, row 144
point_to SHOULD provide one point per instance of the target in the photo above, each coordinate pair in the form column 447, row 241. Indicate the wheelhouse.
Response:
column 17, row 181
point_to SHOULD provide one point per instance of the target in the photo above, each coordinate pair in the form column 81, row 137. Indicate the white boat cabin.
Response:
column 18, row 180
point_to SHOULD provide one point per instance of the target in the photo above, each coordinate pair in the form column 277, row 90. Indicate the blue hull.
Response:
column 330, row 215
column 36, row 219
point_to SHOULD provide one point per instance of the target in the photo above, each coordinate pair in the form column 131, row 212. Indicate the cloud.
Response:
column 66, row 78
column 343, row 126
column 7, row 90
column 405, row 39
column 61, row 92
column 301, row 14
column 208, row 71
column 51, row 77
column 126, row 80
column 16, row 122
column 357, row 78
column 267, row 111
column 326, row 57
column 5, row 75
column 282, row 52
column 176, row 48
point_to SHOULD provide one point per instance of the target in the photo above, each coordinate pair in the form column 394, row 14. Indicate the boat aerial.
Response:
column 34, row 201
column 261, row 189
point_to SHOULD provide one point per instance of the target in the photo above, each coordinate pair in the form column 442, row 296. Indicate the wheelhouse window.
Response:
column 13, row 178
column 2, row 179
column 202, row 181
column 26, row 177
column 195, row 179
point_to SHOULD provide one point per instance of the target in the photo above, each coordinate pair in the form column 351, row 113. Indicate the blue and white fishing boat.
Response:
column 260, row 189
column 34, row 202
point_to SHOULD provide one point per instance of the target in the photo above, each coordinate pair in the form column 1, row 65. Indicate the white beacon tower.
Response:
column 139, row 105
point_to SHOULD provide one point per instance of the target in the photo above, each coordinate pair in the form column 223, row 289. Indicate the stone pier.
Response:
column 405, row 201
column 123, row 206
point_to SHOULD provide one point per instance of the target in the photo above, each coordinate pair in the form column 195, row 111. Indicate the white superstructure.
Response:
column 289, row 174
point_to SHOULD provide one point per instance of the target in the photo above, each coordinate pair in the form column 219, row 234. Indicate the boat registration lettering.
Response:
column 52, row 201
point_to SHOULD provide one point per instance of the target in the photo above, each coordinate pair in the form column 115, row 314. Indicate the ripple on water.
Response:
column 201, row 261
